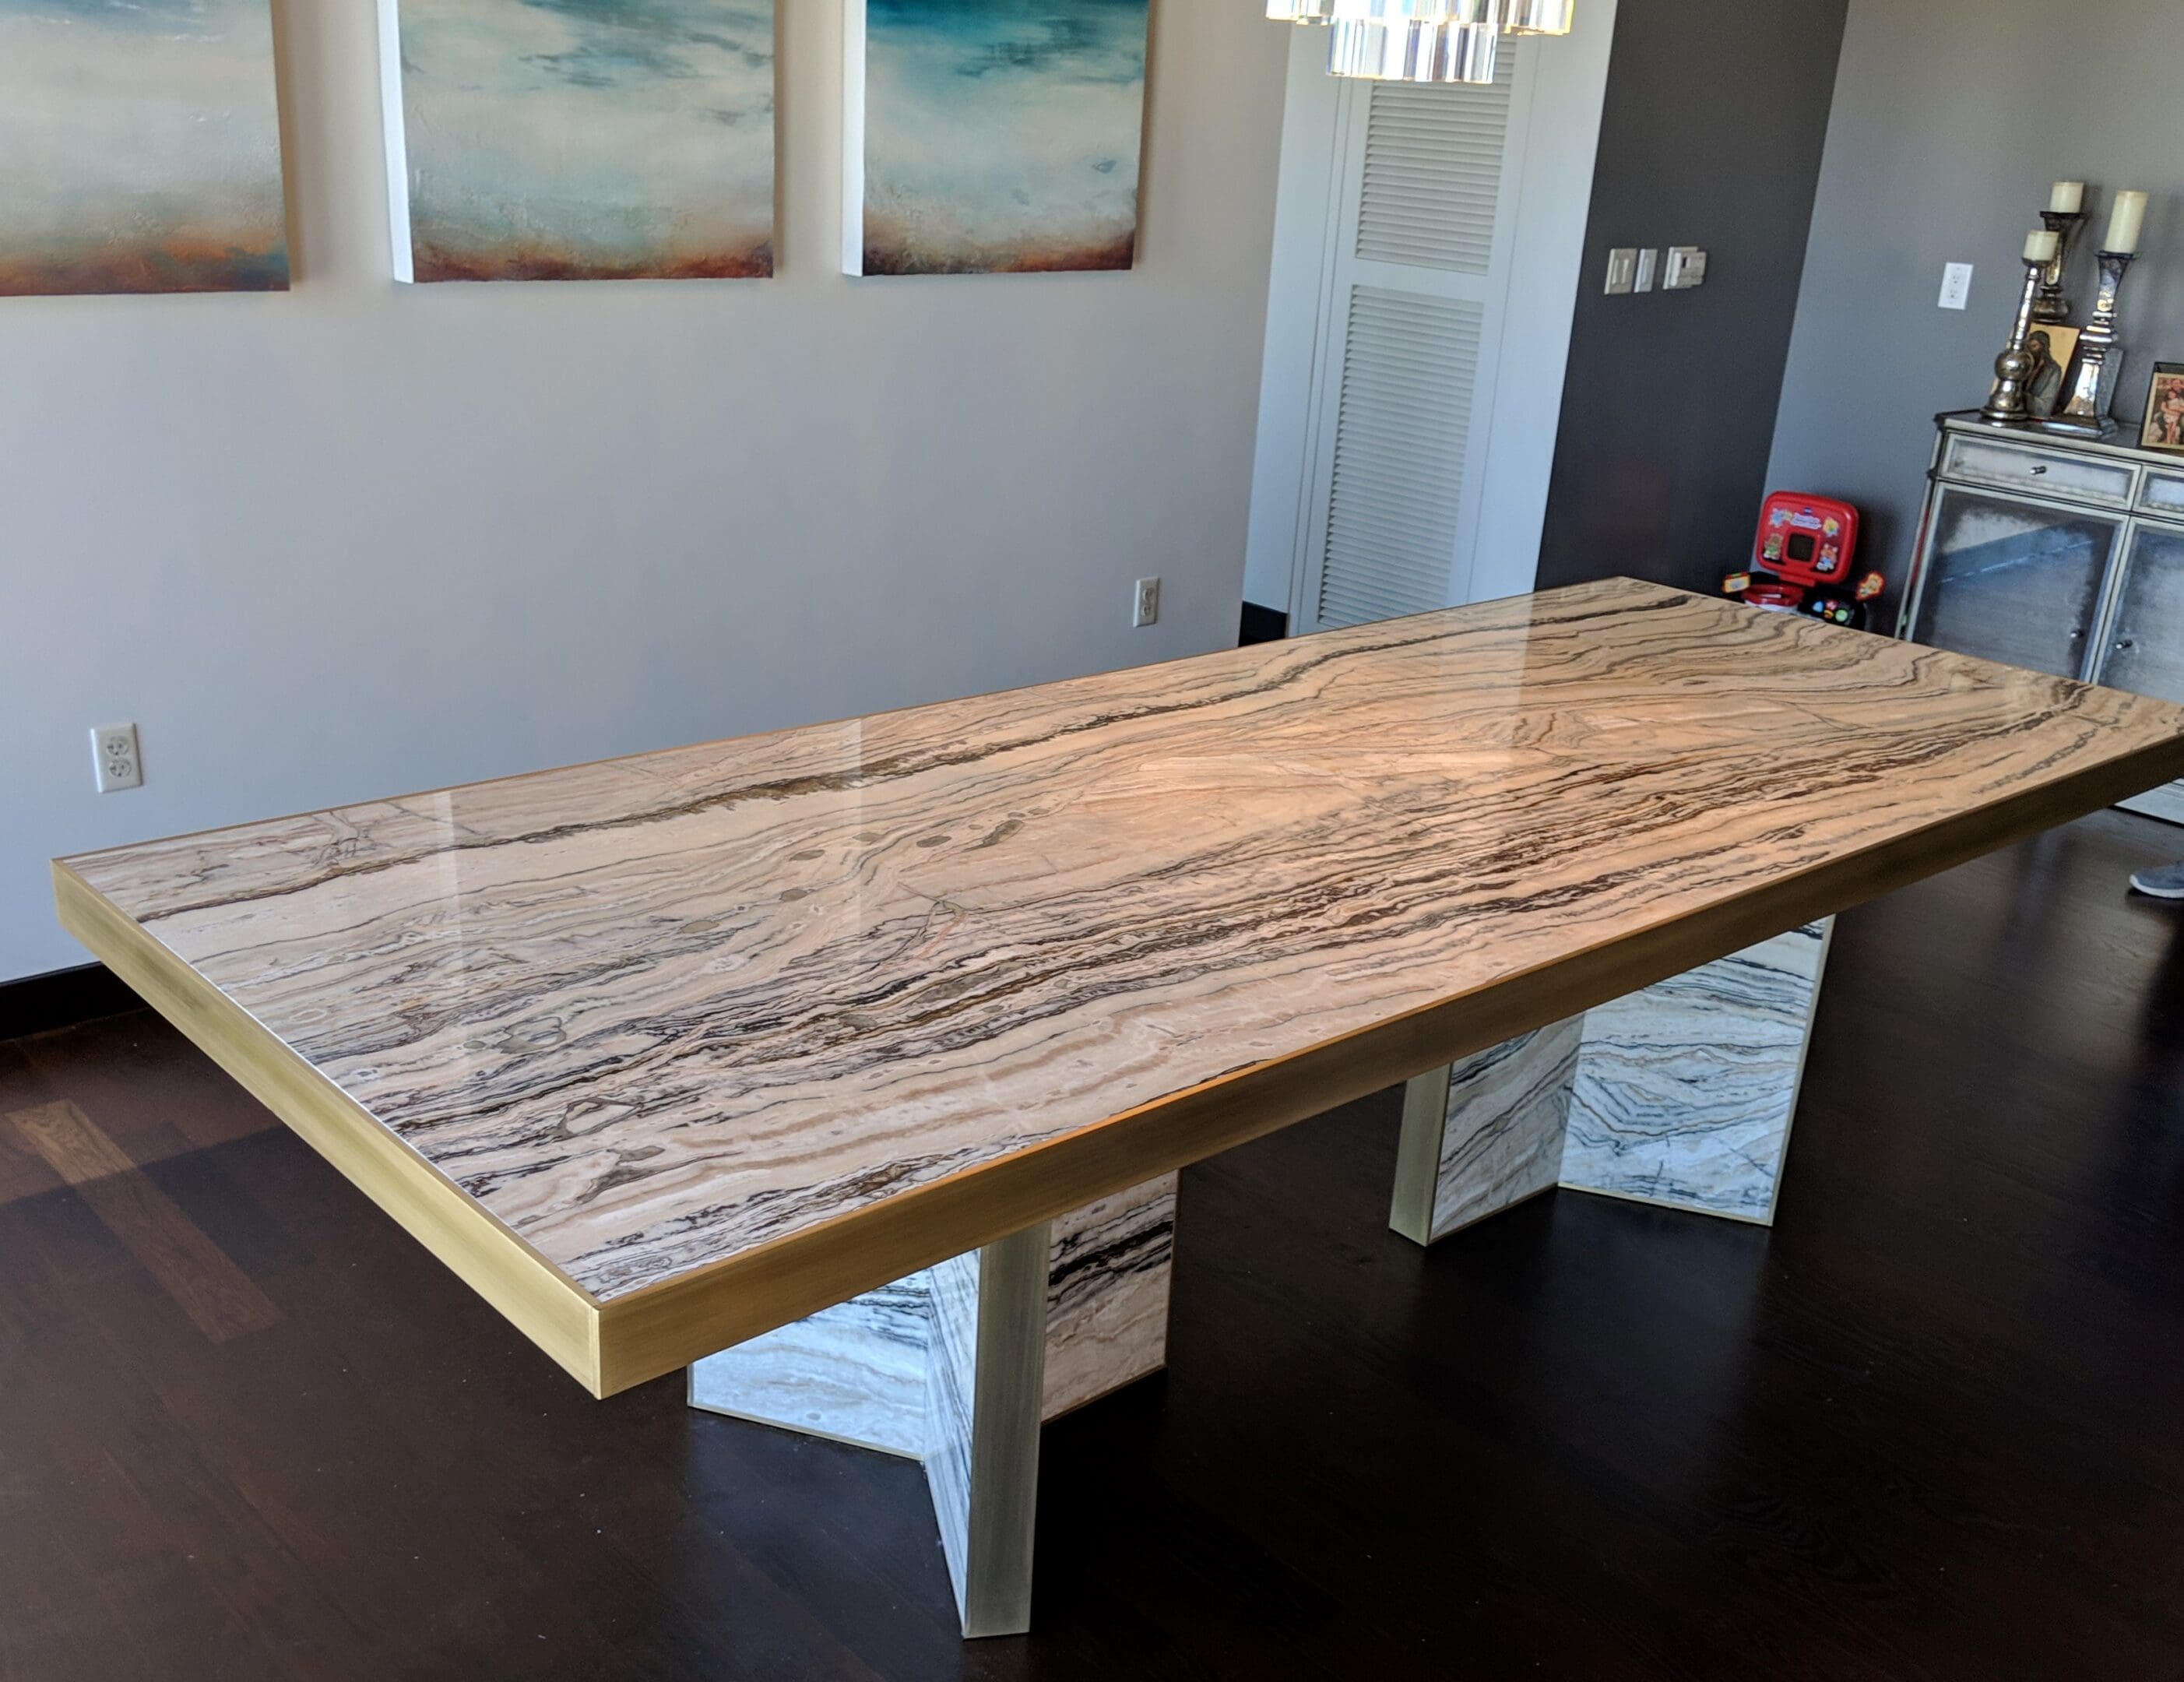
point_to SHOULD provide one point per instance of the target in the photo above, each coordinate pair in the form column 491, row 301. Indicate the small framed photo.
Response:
column 2164, row 409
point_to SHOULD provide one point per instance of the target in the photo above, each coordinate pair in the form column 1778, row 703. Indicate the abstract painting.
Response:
column 994, row 136
column 140, row 147
column 580, row 140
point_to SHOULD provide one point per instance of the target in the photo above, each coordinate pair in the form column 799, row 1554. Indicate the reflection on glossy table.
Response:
column 663, row 1052
column 849, row 1067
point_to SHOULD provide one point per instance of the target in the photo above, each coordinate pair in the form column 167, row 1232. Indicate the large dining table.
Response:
column 848, row 1068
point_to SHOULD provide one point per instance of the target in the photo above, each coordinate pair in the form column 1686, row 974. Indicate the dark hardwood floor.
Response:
column 1928, row 1427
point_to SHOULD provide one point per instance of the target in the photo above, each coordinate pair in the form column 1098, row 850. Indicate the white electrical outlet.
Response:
column 1956, row 285
column 1686, row 268
column 114, row 760
column 1622, row 269
column 1144, row 607
column 1649, row 264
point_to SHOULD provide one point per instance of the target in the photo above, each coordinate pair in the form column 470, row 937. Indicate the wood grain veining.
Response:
column 727, row 1033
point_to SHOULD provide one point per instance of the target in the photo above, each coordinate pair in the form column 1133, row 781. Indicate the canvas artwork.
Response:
column 995, row 136
column 140, row 147
column 580, row 140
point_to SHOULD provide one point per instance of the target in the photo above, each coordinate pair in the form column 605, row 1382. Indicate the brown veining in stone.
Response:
column 654, row 1012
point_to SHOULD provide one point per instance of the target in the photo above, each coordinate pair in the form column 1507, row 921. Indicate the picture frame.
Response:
column 2163, row 429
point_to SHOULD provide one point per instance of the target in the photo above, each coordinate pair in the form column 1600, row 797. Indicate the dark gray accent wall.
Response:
column 1951, row 119
column 1716, row 115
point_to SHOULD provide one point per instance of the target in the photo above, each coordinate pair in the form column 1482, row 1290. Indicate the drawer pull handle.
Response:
column 2039, row 470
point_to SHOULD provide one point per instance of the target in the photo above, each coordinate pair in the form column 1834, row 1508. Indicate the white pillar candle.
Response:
column 2068, row 199
column 2041, row 247
column 2128, row 222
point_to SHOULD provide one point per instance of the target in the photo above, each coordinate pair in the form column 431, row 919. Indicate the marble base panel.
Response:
column 958, row 1365
column 1681, row 1094
column 855, row 1372
column 1485, row 1133
column 984, row 1389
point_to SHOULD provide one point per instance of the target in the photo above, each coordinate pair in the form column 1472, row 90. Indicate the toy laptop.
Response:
column 1803, row 560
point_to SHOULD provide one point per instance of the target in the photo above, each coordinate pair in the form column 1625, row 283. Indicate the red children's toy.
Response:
column 1801, row 562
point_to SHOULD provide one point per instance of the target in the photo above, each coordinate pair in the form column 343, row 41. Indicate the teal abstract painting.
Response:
column 140, row 147
column 995, row 136
column 580, row 140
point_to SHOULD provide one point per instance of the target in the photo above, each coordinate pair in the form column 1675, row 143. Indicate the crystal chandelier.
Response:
column 1428, row 41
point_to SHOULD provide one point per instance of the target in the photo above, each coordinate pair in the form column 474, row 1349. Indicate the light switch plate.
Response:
column 1687, row 267
column 1622, row 269
column 1649, row 264
column 1956, row 287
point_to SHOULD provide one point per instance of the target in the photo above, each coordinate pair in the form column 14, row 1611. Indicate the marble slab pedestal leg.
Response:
column 958, row 1366
column 1681, row 1094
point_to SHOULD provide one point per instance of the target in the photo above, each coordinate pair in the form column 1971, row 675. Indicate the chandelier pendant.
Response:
column 1422, row 40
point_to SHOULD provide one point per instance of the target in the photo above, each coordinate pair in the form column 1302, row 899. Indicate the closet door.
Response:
column 1412, row 305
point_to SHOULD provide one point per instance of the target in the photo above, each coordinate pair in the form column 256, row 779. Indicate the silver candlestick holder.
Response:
column 2100, row 360
column 2006, row 406
column 2052, row 309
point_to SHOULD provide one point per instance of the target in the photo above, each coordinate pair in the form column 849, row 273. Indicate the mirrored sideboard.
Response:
column 2057, row 555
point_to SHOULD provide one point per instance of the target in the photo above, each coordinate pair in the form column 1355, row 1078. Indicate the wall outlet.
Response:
column 1622, row 269
column 1145, row 605
column 115, row 760
column 1956, row 287
column 1649, row 264
column 1687, row 267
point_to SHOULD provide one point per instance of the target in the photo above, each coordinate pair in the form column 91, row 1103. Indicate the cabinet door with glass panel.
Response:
column 2014, row 581
column 2141, row 650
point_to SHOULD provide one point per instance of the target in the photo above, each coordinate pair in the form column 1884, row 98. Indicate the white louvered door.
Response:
column 1412, row 305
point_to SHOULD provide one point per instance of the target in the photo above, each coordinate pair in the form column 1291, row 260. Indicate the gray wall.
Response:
column 1716, row 111
column 1951, row 119
column 360, row 540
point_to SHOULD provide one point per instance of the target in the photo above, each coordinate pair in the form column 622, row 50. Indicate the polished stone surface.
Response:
column 1681, row 1093
column 1926, row 1433
column 1684, row 1093
column 652, row 1013
column 855, row 1372
column 951, row 1409
column 859, row 1371
column 1107, row 1294
column 1505, row 1126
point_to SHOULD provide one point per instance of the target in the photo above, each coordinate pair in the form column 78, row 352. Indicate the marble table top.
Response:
column 715, row 1032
